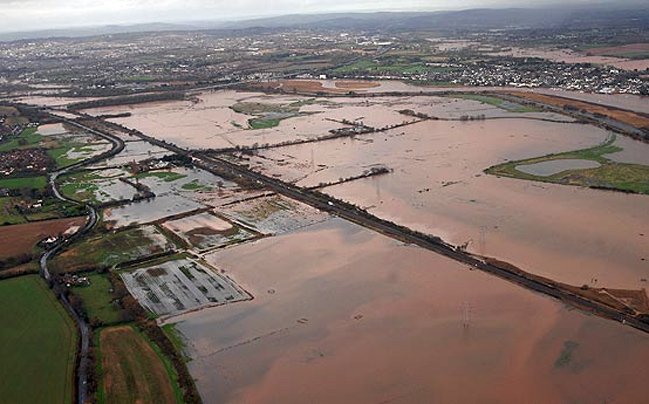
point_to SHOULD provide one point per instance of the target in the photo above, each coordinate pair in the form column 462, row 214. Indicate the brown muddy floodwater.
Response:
column 569, row 234
column 344, row 315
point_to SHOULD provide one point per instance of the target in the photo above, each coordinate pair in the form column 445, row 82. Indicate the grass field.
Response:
column 269, row 115
column 51, row 208
column 392, row 65
column 26, row 182
column 37, row 344
column 133, row 370
column 97, row 299
column 57, row 146
column 8, row 213
column 26, row 139
column 610, row 175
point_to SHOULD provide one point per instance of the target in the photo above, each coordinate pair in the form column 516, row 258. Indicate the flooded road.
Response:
column 345, row 315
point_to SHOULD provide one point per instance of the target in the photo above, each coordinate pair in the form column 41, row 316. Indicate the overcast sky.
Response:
column 29, row 15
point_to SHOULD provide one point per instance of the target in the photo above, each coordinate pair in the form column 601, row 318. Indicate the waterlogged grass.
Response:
column 496, row 102
column 566, row 356
column 610, row 175
column 111, row 249
column 166, row 176
column 263, row 123
column 270, row 115
column 80, row 191
column 195, row 185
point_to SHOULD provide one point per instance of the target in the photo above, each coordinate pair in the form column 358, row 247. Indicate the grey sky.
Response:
column 28, row 15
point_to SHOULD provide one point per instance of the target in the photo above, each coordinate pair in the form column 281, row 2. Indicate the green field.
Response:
column 28, row 138
column 37, row 344
column 610, row 175
column 166, row 176
column 26, row 182
column 391, row 65
column 496, row 102
column 97, row 299
column 8, row 213
column 57, row 146
column 260, row 123
column 270, row 115
column 195, row 185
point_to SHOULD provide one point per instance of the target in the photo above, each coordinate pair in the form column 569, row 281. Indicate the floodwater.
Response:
column 551, row 167
column 570, row 234
column 633, row 151
column 211, row 123
column 568, row 56
column 344, row 315
column 134, row 151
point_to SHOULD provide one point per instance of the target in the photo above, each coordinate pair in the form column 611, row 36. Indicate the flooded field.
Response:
column 175, row 190
column 344, row 315
column 211, row 122
column 179, row 286
column 134, row 151
column 205, row 231
column 438, row 186
column 568, row 56
column 548, row 168
column 273, row 214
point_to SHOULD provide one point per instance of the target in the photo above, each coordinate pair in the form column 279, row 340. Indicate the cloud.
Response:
column 21, row 15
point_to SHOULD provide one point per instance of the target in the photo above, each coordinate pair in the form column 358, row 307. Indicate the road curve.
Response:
column 84, row 331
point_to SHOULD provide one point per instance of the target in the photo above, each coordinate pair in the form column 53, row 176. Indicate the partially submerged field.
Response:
column 205, row 231
column 133, row 371
column 178, row 286
column 273, row 214
column 37, row 344
column 602, row 173
column 628, row 117
column 115, row 248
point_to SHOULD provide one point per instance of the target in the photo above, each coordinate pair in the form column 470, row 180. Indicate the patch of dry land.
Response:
column 21, row 239
column 132, row 371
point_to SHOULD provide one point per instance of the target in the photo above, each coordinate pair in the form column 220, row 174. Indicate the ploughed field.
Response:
column 133, row 371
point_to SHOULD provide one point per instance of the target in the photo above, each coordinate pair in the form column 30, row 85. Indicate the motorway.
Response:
column 367, row 220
